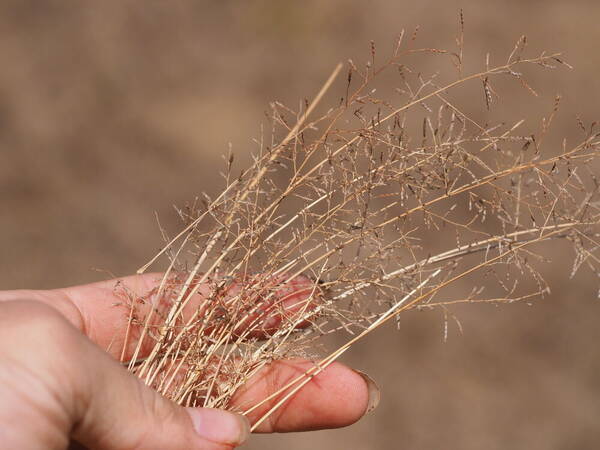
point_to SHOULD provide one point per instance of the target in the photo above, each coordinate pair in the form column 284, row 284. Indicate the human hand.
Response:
column 57, row 384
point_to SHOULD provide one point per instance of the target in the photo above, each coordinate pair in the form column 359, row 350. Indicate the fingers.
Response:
column 268, row 300
column 68, row 384
column 112, row 313
column 334, row 398
column 258, row 302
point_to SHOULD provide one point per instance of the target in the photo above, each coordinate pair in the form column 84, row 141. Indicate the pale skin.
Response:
column 58, row 385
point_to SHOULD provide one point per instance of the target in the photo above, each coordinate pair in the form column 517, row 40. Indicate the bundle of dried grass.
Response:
column 330, row 229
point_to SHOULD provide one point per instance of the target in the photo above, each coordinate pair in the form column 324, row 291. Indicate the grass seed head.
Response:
column 389, row 199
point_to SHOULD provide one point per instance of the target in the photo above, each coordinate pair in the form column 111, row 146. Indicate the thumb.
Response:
column 116, row 410
column 124, row 413
column 79, row 392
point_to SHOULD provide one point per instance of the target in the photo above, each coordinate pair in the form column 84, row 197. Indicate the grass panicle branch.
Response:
column 356, row 213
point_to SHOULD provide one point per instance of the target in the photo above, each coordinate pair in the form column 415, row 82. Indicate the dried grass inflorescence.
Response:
column 336, row 225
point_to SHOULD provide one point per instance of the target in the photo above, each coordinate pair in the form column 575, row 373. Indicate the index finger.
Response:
column 112, row 313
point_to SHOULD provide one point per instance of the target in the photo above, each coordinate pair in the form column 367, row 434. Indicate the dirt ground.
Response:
column 115, row 110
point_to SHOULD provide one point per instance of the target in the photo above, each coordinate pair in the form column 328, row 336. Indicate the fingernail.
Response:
column 374, row 392
column 220, row 426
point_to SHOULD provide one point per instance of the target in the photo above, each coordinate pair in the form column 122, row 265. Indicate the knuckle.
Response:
column 38, row 329
column 30, row 317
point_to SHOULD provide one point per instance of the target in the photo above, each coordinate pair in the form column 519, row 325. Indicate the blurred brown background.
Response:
column 110, row 111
